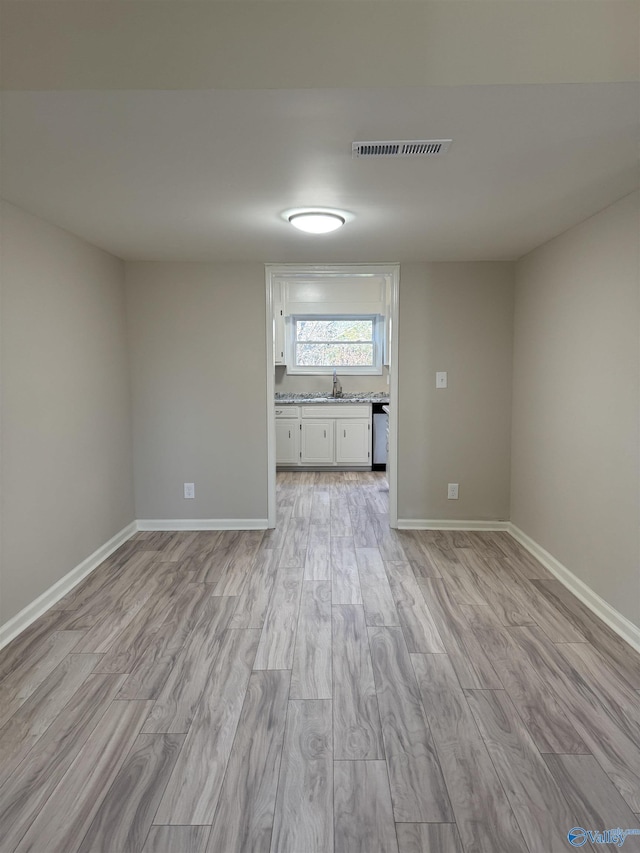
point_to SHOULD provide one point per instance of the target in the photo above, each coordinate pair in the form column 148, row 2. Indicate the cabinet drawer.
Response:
column 327, row 410
column 287, row 411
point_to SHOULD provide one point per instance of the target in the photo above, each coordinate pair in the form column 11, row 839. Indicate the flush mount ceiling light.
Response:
column 316, row 221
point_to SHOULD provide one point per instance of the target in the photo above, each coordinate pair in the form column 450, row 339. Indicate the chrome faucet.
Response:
column 337, row 385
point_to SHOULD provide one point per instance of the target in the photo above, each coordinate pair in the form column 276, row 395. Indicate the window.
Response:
column 349, row 344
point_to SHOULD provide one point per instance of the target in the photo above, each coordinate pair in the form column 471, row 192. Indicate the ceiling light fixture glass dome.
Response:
column 316, row 221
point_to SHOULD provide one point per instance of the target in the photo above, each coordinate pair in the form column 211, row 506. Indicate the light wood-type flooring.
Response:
column 330, row 686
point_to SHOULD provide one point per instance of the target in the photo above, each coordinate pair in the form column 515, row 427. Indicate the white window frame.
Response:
column 327, row 370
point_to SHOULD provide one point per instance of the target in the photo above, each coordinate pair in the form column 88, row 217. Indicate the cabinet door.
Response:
column 287, row 442
column 317, row 442
column 353, row 442
column 278, row 327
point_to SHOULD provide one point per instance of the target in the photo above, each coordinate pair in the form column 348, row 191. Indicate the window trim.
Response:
column 327, row 370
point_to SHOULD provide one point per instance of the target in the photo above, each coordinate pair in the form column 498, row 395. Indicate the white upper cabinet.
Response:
column 386, row 351
column 279, row 356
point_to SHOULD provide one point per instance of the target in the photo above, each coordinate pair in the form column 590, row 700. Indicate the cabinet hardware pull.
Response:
column 289, row 433
column 345, row 433
column 325, row 433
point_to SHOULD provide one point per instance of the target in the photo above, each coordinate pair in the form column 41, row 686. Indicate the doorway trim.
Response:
column 307, row 271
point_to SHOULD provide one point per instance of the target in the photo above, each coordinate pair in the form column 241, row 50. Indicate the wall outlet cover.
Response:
column 189, row 491
column 452, row 492
column 441, row 379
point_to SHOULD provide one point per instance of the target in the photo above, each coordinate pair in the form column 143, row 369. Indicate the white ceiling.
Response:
column 182, row 130
column 205, row 175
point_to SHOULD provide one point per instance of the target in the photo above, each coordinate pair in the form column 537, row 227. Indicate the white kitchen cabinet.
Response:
column 332, row 434
column 278, row 325
column 317, row 442
column 287, row 442
column 353, row 442
column 388, row 331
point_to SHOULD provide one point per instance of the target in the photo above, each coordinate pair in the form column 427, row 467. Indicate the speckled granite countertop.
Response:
column 370, row 397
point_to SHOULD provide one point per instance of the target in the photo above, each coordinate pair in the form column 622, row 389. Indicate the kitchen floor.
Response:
column 331, row 685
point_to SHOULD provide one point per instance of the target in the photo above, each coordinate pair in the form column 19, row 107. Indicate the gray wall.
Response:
column 66, row 420
column 576, row 402
column 195, row 346
column 287, row 384
column 198, row 368
column 456, row 317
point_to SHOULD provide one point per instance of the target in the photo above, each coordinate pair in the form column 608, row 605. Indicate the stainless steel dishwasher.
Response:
column 380, row 440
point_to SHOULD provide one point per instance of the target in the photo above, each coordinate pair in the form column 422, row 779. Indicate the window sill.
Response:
column 324, row 371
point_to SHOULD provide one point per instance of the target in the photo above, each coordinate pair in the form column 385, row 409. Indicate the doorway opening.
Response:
column 331, row 330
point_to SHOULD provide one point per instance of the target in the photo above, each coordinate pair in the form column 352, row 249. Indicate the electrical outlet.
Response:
column 441, row 379
column 189, row 490
column 452, row 492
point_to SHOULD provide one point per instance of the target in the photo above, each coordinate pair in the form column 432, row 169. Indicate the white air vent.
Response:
column 401, row 148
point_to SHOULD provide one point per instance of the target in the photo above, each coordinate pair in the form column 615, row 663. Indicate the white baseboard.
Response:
column 609, row 615
column 626, row 629
column 60, row 588
column 450, row 524
column 202, row 524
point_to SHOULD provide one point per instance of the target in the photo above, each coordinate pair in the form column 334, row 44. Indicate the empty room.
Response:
column 319, row 426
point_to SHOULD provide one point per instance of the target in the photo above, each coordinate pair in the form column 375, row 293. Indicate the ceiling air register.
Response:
column 401, row 148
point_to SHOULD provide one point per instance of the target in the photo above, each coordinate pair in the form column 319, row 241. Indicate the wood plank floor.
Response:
column 332, row 686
